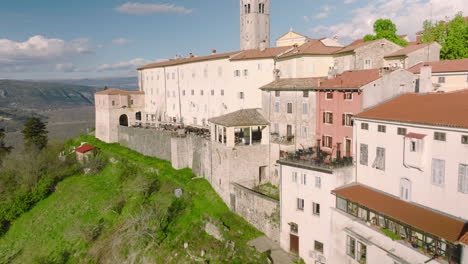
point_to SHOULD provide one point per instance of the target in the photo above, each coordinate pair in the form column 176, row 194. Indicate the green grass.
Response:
column 79, row 222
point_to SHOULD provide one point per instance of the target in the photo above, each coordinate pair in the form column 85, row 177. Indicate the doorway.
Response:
column 348, row 147
column 293, row 244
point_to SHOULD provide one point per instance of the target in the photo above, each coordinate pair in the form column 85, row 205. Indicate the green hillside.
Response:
column 126, row 212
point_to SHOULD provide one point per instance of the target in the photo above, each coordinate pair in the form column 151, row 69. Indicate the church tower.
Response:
column 254, row 24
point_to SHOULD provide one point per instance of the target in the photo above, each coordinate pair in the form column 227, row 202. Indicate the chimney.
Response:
column 213, row 52
column 262, row 45
column 425, row 82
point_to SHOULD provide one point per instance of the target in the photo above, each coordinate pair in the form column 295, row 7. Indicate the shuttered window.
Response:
column 364, row 154
column 290, row 108
column 379, row 162
column 438, row 171
column 304, row 178
column 463, row 178
column 318, row 181
column 277, row 107
column 328, row 117
column 305, row 108
column 300, row 204
column 294, row 176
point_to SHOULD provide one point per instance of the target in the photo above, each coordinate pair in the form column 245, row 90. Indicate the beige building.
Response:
column 446, row 76
column 290, row 39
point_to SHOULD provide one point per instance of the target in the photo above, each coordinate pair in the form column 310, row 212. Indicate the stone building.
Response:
column 412, row 55
column 254, row 24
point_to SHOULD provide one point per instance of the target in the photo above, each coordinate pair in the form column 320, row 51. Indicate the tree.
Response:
column 452, row 35
column 4, row 149
column 105, row 88
column 35, row 133
column 384, row 28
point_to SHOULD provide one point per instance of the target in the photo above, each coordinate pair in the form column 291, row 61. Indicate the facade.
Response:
column 410, row 199
column 290, row 39
column 412, row 55
column 446, row 76
column 340, row 98
column 254, row 24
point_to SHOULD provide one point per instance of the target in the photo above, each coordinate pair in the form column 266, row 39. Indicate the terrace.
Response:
column 311, row 158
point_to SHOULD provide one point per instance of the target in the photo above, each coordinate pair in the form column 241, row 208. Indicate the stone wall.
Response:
column 258, row 209
column 146, row 141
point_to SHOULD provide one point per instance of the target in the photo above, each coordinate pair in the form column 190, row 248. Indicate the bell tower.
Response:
column 254, row 24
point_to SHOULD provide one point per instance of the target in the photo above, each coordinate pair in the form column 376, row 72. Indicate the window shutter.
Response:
column 344, row 119
column 323, row 141
column 331, row 118
column 463, row 178
column 323, row 117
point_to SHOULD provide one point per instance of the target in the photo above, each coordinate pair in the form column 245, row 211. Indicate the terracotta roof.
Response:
column 407, row 50
column 260, row 54
column 113, row 91
column 243, row 117
column 189, row 60
column 85, row 148
column 353, row 46
column 443, row 66
column 426, row 220
column 464, row 238
column 293, row 84
column 352, row 79
column 440, row 109
column 313, row 47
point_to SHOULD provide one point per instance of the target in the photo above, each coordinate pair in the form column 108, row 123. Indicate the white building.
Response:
column 409, row 203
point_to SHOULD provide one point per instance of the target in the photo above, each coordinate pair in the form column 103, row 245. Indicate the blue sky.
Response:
column 53, row 39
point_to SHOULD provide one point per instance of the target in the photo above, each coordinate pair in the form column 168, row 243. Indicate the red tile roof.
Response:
column 443, row 66
column 407, row 50
column 85, row 148
column 352, row 79
column 464, row 238
column 293, row 84
column 439, row 109
column 260, row 54
column 112, row 91
column 426, row 220
column 313, row 47
column 189, row 60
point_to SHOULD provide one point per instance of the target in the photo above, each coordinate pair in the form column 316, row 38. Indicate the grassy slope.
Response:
column 55, row 225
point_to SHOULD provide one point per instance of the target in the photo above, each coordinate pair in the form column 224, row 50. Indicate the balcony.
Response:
column 309, row 158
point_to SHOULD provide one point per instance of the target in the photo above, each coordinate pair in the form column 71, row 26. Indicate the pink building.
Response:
column 347, row 94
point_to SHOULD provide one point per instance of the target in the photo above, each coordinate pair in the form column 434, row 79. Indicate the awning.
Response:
column 426, row 220
column 415, row 135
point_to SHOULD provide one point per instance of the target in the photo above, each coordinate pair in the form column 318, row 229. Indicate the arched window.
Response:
column 123, row 120
column 405, row 189
column 248, row 8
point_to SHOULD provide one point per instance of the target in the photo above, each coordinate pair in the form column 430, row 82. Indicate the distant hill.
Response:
column 124, row 83
column 43, row 95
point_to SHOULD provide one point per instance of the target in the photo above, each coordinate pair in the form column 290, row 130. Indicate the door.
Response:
column 294, row 244
column 348, row 147
column 405, row 189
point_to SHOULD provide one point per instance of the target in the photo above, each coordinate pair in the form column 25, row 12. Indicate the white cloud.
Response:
column 349, row 1
column 121, row 41
column 124, row 65
column 134, row 8
column 65, row 67
column 321, row 15
column 325, row 11
column 306, row 19
column 40, row 49
column 408, row 15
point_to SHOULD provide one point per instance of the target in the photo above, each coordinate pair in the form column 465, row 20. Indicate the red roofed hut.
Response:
column 83, row 152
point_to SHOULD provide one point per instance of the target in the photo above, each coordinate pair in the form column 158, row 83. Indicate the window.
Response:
column 439, row 136
column 183, row 92
column 367, row 64
column 131, row 101
column 202, row 92
column 290, row 108
column 327, row 141
column 318, row 181
column 212, row 92
column 305, row 108
column 113, row 103
column 276, row 128
column 329, row 95
column 277, row 93
column 464, row 139
column 316, row 208
column 236, row 73
column 304, row 132
column 305, row 94
column 412, row 146
column 405, row 189
column 222, row 92
column 246, row 72
column 438, row 172
column 401, row 131
column 361, row 253
column 304, row 178
column 365, row 126
column 441, row 80
column 277, row 107
column 363, row 156
column 300, row 204
column 173, row 76
column 379, row 162
column 348, row 96
column 294, row 228
column 220, row 71
column 192, row 92
column 318, row 246
column 351, row 246
column 294, row 176
column 341, row 204
column 241, row 95
column 347, row 120
column 382, row 128
column 463, row 178
column 205, row 72
column 328, row 117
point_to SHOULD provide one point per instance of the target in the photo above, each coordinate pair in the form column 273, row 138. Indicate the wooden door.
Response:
column 293, row 244
column 348, row 147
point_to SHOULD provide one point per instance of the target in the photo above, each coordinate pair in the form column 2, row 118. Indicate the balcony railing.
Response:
column 309, row 157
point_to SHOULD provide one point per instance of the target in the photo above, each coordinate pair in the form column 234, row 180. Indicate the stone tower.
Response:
column 254, row 24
